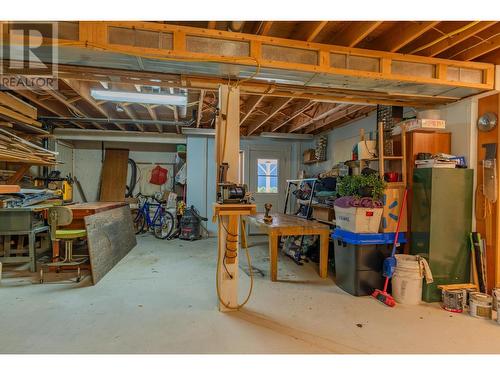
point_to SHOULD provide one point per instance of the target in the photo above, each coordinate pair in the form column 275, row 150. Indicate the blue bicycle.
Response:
column 161, row 223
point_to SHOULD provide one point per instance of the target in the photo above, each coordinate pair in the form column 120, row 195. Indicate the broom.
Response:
column 390, row 263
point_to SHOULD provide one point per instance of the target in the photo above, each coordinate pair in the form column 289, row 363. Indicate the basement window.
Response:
column 267, row 175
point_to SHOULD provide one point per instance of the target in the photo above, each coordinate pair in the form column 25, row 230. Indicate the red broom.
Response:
column 382, row 295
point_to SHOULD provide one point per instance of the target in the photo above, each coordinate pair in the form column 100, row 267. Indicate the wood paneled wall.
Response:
column 488, row 104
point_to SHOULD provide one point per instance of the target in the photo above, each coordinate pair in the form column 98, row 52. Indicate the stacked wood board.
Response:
column 16, row 113
column 18, row 150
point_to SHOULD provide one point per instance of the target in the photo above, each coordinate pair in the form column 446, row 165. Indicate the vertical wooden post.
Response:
column 227, row 151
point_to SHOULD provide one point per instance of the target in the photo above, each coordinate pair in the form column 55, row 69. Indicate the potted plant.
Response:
column 370, row 185
column 357, row 210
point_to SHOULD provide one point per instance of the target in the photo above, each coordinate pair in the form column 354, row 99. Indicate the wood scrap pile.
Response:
column 18, row 150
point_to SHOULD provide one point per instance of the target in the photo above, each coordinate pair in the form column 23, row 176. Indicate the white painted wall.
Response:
column 88, row 164
column 340, row 143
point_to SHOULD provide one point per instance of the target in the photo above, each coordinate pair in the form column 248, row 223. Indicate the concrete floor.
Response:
column 161, row 299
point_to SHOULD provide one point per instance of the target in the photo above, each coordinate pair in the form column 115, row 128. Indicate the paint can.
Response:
column 480, row 305
column 453, row 300
column 467, row 292
column 496, row 298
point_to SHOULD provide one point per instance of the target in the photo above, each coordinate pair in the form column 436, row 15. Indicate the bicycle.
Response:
column 162, row 223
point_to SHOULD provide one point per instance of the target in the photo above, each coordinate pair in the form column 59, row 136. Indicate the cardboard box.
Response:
column 420, row 124
column 309, row 155
column 324, row 213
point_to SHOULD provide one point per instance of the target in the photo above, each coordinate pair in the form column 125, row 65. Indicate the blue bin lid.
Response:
column 367, row 238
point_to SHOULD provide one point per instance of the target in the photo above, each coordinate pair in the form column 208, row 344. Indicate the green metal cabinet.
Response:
column 441, row 223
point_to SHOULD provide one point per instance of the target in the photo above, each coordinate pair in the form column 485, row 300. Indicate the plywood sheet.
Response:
column 114, row 175
column 110, row 236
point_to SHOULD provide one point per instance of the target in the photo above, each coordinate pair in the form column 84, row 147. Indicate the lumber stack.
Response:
column 16, row 112
column 18, row 150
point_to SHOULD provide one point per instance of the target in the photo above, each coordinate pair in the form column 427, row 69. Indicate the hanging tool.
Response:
column 489, row 188
column 390, row 263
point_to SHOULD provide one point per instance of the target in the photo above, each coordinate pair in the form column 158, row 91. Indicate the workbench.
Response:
column 19, row 221
column 80, row 210
column 290, row 225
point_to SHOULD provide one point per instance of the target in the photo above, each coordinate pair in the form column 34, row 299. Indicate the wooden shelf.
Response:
column 385, row 158
column 313, row 161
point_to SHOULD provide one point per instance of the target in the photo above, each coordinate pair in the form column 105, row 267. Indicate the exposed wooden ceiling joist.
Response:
column 355, row 33
column 154, row 116
column 131, row 116
column 346, row 111
column 399, row 36
column 54, row 107
column 437, row 46
column 322, row 110
column 200, row 108
column 57, row 95
column 265, row 27
column 315, row 30
column 277, row 106
column 296, row 111
column 250, row 106
column 481, row 48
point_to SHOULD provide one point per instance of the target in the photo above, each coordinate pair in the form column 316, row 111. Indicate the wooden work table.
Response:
column 80, row 210
column 290, row 225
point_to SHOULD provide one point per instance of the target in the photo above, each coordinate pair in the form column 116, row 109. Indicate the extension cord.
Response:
column 239, row 306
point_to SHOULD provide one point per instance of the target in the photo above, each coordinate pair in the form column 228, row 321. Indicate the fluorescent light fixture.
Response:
column 287, row 136
column 138, row 97
column 198, row 131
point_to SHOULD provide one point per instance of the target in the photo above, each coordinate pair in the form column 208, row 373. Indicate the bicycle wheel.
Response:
column 164, row 224
column 139, row 222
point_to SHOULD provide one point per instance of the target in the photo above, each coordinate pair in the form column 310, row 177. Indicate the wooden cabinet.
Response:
column 424, row 141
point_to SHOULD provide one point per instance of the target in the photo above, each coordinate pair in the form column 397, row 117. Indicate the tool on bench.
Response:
column 229, row 192
column 390, row 264
column 62, row 185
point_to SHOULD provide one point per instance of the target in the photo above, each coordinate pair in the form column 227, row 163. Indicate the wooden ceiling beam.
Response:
column 355, row 33
column 322, row 111
column 451, row 39
column 265, row 27
column 212, row 24
column 317, row 27
column 61, row 98
column 131, row 115
column 154, row 116
column 82, row 88
column 338, row 115
column 400, row 35
column 297, row 111
column 481, row 48
column 200, row 108
column 250, row 106
column 277, row 106
column 363, row 112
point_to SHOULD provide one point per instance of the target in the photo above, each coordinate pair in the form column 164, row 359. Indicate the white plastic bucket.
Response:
column 407, row 280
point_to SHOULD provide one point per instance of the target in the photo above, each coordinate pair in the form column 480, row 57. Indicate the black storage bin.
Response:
column 359, row 259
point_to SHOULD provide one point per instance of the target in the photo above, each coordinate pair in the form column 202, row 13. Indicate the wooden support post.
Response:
column 227, row 150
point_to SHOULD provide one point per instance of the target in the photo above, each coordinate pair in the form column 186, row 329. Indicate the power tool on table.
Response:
column 229, row 192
